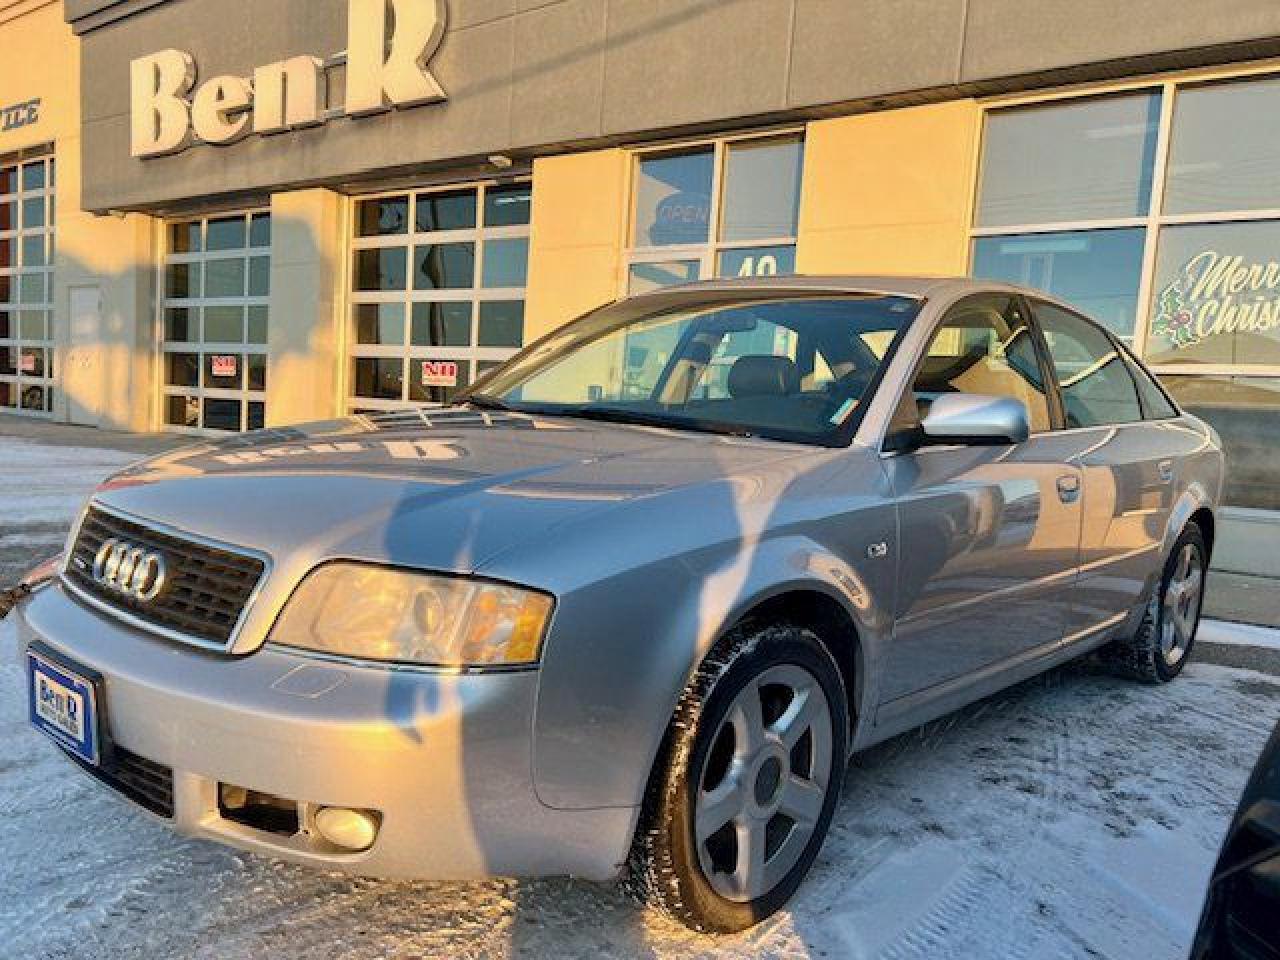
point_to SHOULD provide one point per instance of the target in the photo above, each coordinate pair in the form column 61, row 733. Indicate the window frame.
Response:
column 202, row 347
column 707, row 253
column 1169, row 84
column 472, row 356
column 47, row 381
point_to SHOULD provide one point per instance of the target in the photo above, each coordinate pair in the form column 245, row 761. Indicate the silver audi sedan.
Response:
column 627, row 607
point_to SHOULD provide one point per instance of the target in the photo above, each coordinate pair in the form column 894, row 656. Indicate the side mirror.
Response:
column 976, row 419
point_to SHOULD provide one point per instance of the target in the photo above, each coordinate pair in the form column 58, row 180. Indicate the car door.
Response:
column 1129, row 463
column 989, row 534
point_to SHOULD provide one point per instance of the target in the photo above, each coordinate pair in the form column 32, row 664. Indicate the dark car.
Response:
column 1241, row 919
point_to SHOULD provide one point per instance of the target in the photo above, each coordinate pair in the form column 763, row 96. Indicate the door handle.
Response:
column 1068, row 488
column 1165, row 469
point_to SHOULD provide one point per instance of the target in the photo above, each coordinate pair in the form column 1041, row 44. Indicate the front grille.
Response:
column 148, row 784
column 206, row 590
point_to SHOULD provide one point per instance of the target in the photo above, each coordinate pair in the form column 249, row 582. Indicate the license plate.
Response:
column 64, row 706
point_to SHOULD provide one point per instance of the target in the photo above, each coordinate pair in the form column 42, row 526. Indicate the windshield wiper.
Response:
column 639, row 418
column 487, row 401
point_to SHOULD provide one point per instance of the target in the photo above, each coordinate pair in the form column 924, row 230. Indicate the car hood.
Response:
column 442, row 490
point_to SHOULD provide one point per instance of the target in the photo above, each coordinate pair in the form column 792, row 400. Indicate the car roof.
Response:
column 918, row 287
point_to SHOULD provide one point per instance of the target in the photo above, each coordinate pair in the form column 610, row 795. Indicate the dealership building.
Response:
column 222, row 214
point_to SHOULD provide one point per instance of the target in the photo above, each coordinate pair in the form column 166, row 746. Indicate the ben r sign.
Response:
column 390, row 44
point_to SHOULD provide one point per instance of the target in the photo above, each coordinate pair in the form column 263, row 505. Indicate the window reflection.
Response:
column 673, row 199
column 441, row 325
column 444, row 266
column 644, row 277
column 1246, row 413
column 1225, row 148
column 446, row 211
column 1078, row 160
column 1099, row 271
column 762, row 190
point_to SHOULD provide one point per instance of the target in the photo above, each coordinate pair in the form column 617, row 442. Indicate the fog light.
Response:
column 353, row 830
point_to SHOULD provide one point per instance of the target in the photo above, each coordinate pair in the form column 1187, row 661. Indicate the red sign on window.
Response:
column 224, row 365
column 439, row 373
column 28, row 363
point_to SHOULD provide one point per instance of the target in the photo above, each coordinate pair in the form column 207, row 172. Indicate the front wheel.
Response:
column 1164, row 641
column 755, row 756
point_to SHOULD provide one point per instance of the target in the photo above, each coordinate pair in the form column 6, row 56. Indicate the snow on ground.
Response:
column 1076, row 815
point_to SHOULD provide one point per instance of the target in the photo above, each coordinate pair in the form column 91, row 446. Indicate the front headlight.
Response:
column 378, row 613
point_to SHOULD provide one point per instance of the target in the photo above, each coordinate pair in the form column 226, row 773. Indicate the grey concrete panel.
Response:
column 221, row 40
column 850, row 49
column 557, row 91
column 1009, row 37
column 674, row 62
column 472, row 12
column 530, row 76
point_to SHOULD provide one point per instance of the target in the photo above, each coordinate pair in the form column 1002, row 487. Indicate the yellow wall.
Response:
column 890, row 192
column 114, row 254
column 580, row 208
column 41, row 60
column 308, row 236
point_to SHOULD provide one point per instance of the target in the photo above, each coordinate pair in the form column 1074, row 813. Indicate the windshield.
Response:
column 791, row 369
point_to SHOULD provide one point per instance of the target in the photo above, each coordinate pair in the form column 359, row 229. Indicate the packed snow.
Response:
column 1076, row 815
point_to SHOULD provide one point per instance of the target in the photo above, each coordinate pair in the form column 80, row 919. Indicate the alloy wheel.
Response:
column 1182, row 598
column 764, row 783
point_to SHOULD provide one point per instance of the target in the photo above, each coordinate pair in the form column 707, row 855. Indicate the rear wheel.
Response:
column 1164, row 641
column 755, row 755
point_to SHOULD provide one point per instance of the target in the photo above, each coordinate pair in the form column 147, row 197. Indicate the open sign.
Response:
column 224, row 365
column 439, row 373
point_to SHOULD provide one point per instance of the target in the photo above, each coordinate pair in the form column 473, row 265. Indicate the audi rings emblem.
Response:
column 129, row 570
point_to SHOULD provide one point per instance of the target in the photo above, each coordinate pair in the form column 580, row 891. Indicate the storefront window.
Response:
column 217, row 278
column 1246, row 413
column 27, row 361
column 438, row 285
column 1217, row 295
column 727, row 209
column 1098, row 270
column 673, row 199
column 1068, row 203
column 1089, row 162
column 762, row 190
column 1225, row 149
column 1069, row 161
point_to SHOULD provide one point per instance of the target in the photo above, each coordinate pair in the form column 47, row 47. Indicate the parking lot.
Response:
column 1076, row 815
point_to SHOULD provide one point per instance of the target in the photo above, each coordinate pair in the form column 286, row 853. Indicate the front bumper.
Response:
column 446, row 759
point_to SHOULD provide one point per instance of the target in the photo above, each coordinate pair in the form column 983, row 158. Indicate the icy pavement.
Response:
column 1076, row 815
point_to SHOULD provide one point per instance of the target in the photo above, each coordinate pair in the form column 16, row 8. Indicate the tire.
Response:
column 719, row 762
column 1163, row 643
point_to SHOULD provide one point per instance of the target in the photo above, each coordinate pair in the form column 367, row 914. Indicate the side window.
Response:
column 985, row 345
column 1097, row 387
column 1154, row 402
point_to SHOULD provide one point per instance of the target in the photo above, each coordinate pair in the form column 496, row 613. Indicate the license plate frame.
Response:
column 72, row 715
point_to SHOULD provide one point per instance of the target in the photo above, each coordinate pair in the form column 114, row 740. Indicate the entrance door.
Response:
column 82, row 373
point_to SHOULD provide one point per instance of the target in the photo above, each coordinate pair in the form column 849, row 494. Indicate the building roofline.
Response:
column 13, row 9
column 86, row 15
